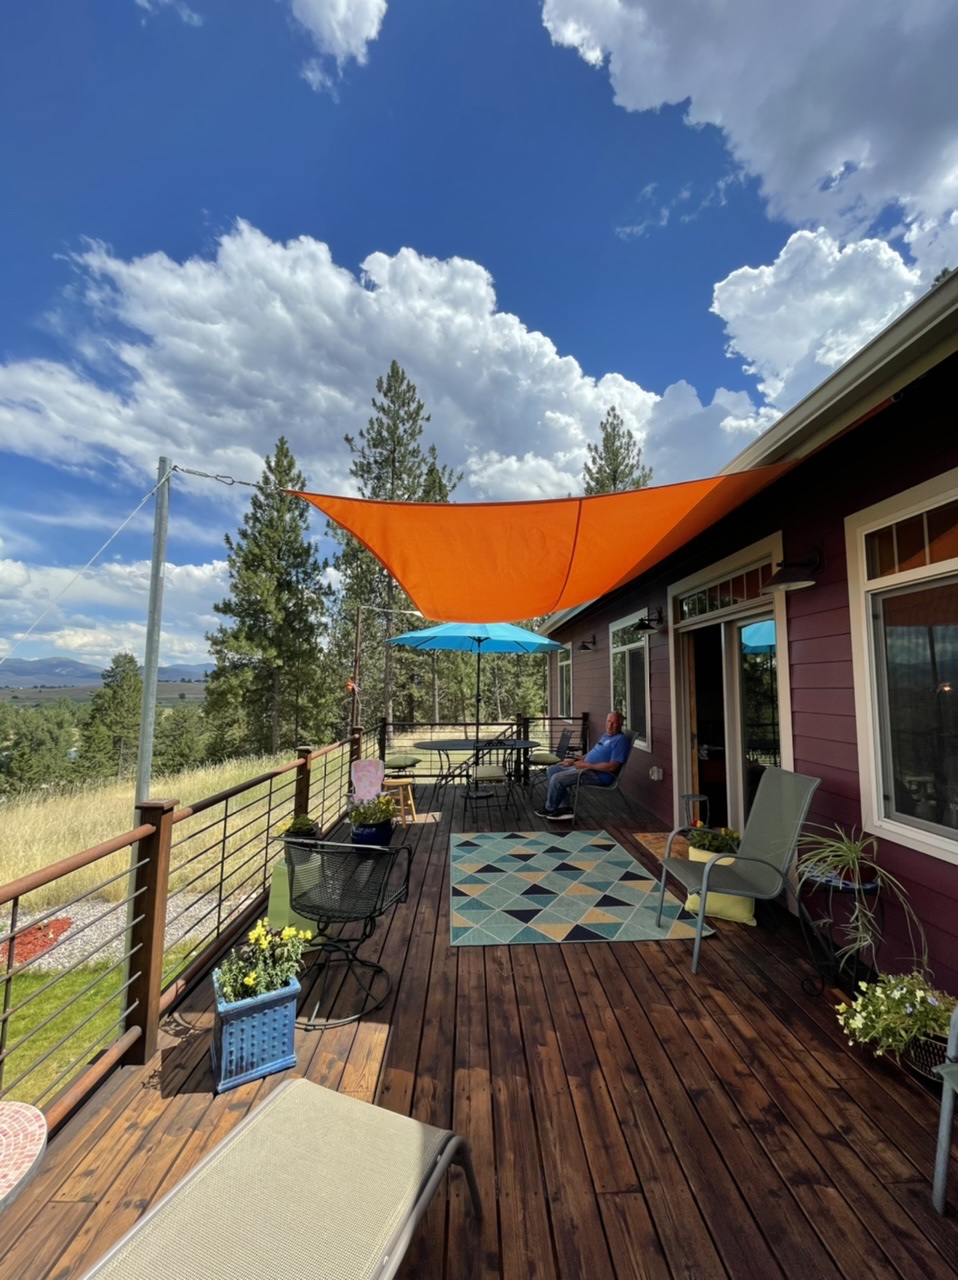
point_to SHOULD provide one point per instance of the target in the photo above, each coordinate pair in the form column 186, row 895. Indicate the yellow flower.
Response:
column 250, row 980
column 288, row 932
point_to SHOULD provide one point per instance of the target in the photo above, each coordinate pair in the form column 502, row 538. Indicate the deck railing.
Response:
column 166, row 900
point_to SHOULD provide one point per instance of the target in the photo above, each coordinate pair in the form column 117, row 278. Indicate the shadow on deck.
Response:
column 626, row 1119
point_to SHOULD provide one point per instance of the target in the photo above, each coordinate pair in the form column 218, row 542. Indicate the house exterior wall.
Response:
column 904, row 444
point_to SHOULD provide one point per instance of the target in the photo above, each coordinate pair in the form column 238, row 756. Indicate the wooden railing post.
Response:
column 355, row 744
column 382, row 739
column 304, row 780
column 584, row 741
column 151, row 883
column 525, row 733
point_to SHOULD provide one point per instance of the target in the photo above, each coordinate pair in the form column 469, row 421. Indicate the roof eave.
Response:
column 911, row 345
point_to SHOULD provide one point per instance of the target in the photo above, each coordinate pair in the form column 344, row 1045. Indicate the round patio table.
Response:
column 23, row 1140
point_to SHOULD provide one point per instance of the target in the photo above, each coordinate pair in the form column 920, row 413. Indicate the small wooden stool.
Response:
column 404, row 797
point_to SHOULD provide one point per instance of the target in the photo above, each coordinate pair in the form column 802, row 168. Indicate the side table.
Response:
column 23, row 1140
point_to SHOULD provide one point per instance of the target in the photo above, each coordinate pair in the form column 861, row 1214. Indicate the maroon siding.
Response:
column 908, row 442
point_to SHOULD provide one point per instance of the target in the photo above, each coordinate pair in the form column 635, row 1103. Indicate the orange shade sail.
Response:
column 502, row 561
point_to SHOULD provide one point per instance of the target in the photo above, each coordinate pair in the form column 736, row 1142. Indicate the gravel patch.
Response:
column 90, row 938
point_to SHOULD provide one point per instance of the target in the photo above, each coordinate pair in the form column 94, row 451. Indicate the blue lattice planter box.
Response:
column 253, row 1038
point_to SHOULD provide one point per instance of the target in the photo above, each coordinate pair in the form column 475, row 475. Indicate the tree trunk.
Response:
column 275, row 709
column 388, row 664
column 435, row 687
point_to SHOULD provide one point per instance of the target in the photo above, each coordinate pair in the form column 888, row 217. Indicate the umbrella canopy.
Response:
column 758, row 637
column 477, row 638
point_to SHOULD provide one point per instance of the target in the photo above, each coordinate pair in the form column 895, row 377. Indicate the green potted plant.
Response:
column 843, row 864
column 371, row 821
column 903, row 1015
column 300, row 825
column 713, row 839
column 256, row 991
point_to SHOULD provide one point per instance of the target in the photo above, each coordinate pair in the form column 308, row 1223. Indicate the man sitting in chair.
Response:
column 597, row 769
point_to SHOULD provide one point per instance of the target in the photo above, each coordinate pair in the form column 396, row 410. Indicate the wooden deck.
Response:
column 626, row 1118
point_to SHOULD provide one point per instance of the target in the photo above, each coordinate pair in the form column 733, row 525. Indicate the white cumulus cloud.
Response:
column 214, row 359
column 795, row 321
column 843, row 109
column 341, row 30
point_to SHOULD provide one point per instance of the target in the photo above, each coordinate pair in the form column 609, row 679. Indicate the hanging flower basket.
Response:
column 253, row 1037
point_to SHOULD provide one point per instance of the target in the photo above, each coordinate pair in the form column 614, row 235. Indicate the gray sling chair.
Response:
column 949, row 1087
column 761, row 866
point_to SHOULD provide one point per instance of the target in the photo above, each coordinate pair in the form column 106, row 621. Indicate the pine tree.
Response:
column 616, row 463
column 260, row 694
column 389, row 464
column 110, row 734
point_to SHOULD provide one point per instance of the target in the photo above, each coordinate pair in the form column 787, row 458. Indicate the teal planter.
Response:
column 253, row 1038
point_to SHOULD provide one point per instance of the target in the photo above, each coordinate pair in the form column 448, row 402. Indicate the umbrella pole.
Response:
column 478, row 692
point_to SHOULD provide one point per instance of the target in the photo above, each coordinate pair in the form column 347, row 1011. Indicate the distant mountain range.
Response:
column 24, row 673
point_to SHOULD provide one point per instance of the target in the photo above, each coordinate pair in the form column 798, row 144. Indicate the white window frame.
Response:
column 910, row 502
column 738, row 562
column 563, row 662
column 644, row 744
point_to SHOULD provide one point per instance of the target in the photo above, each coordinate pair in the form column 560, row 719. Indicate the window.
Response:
column 915, row 637
column 564, row 699
column 903, row 589
column 630, row 677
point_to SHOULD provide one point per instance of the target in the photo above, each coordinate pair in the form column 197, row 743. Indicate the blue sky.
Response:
column 221, row 222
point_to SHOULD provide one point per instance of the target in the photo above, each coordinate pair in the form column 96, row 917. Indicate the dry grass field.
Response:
column 37, row 831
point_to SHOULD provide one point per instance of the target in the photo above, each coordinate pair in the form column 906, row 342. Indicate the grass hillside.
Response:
column 36, row 831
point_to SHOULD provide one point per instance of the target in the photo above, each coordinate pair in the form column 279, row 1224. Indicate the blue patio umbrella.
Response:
column 477, row 638
column 758, row 637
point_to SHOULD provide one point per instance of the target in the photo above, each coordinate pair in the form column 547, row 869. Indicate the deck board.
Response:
column 626, row 1117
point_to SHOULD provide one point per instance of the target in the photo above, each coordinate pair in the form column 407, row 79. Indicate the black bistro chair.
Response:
column 342, row 885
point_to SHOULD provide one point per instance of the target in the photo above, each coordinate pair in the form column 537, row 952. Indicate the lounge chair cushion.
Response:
column 724, row 906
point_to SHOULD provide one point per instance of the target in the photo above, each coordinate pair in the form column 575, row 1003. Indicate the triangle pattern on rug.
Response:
column 526, row 887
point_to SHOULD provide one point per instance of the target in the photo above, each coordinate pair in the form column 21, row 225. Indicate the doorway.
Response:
column 733, row 719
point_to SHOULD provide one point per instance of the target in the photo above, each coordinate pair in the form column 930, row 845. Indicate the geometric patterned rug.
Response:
column 531, row 886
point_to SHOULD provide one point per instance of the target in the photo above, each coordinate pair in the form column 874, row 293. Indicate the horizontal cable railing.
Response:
column 137, row 919
column 83, row 982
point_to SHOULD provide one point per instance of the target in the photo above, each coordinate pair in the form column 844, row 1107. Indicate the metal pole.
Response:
column 151, row 656
column 354, row 713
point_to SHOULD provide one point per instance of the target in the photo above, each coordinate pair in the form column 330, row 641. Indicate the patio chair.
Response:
column 949, row 1087
column 760, row 867
column 540, row 759
column 603, row 789
column 367, row 779
column 492, row 779
column 311, row 1174
column 343, row 885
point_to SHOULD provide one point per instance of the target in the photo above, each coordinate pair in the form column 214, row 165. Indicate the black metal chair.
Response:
column 338, row 885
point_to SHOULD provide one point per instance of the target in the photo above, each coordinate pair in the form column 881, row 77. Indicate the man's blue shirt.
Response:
column 611, row 746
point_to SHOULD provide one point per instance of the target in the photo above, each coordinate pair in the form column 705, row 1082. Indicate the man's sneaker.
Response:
column 561, row 815
column 543, row 813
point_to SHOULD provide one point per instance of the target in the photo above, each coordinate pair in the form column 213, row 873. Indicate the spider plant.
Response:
column 851, row 858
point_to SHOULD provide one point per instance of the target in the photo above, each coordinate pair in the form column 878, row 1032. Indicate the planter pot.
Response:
column 254, row 1037
column 372, row 832
column 924, row 1054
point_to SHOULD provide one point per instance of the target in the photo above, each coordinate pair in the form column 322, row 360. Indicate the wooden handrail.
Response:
column 46, row 875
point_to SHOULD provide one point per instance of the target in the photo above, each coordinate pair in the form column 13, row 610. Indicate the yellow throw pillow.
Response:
column 724, row 906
